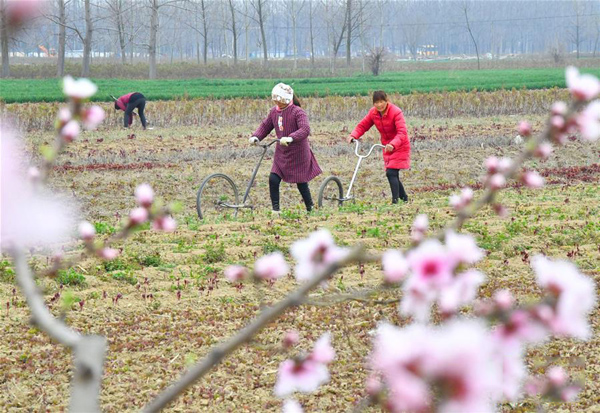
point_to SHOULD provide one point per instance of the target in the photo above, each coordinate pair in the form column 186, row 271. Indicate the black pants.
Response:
column 275, row 181
column 137, row 100
column 398, row 191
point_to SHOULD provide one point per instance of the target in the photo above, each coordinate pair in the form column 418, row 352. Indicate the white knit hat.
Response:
column 282, row 93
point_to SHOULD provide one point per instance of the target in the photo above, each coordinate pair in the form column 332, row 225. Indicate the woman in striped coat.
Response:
column 294, row 161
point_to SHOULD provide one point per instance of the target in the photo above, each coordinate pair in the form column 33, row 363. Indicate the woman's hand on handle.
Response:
column 349, row 138
column 389, row 148
column 285, row 141
column 253, row 140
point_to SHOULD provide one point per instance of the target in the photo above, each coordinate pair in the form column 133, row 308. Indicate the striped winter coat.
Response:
column 295, row 163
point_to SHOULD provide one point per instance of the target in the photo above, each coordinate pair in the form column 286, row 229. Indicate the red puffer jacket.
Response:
column 392, row 128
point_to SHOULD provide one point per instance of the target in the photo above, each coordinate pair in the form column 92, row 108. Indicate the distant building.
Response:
column 427, row 50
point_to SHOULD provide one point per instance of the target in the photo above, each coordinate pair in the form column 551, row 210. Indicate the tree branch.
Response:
column 88, row 351
column 219, row 352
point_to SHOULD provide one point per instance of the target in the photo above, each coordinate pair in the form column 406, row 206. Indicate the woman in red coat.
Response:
column 127, row 103
column 389, row 121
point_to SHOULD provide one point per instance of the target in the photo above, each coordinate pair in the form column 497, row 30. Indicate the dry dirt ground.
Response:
column 151, row 340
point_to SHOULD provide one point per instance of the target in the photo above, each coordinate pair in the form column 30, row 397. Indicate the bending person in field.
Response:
column 128, row 103
column 389, row 121
column 294, row 161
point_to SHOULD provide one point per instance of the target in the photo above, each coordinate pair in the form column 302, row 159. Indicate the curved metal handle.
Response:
column 266, row 145
column 370, row 149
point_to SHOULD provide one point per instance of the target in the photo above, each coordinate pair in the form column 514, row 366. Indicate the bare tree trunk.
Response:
column 121, row 31
column 234, row 32
column 4, row 40
column 471, row 34
column 261, row 23
column 204, row 31
column 153, row 35
column 294, row 42
column 381, row 24
column 577, row 36
column 258, row 7
column 348, row 32
column 597, row 38
column 62, row 38
column 336, row 47
column 246, row 29
column 361, row 32
column 312, row 36
column 87, row 42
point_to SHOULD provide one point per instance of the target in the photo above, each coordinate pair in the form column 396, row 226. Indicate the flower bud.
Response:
column 86, row 231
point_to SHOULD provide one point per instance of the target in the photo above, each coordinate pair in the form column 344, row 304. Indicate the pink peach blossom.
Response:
column 543, row 150
column 292, row 406
column 497, row 181
column 373, row 385
column 503, row 299
column 455, row 201
column 78, row 89
column 461, row 291
column 466, row 194
column 165, row 223
column 33, row 174
column 109, row 253
column 557, row 122
column 462, row 248
column 290, row 338
column 395, row 266
column 421, row 223
column 271, row 267
column 462, row 362
column 138, row 215
column 236, row 273
column 524, row 128
column 513, row 372
column 314, row 254
column 399, row 355
column 431, row 263
column 419, row 228
column 70, row 131
column 574, row 293
column 457, row 358
column 557, row 376
column 64, row 115
column 589, row 122
column 93, row 117
column 86, row 231
column 492, row 164
column 559, row 108
column 30, row 216
column 417, row 300
column 462, row 200
column 504, row 164
column 144, row 195
column 304, row 376
column 582, row 87
column 532, row 179
column 322, row 351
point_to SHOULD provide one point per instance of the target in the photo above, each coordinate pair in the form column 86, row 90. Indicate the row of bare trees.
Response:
column 168, row 30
